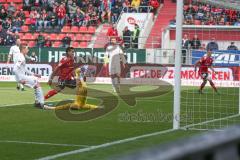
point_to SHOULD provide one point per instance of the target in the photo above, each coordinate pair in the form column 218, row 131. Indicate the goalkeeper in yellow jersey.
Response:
column 81, row 93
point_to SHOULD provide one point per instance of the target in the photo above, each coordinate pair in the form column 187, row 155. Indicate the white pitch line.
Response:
column 19, row 104
column 105, row 145
column 43, row 143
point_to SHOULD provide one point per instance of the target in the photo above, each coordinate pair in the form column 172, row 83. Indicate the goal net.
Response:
column 210, row 27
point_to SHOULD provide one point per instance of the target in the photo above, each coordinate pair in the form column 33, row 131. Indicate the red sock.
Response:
column 213, row 86
column 50, row 94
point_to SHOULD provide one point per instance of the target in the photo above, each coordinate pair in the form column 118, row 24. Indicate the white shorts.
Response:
column 114, row 69
column 29, row 81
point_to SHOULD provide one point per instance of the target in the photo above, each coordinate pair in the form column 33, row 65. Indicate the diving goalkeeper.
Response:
column 81, row 94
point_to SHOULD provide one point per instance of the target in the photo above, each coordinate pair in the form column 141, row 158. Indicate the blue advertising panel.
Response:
column 221, row 57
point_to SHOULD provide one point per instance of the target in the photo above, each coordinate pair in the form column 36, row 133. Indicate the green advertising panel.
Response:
column 83, row 55
column 4, row 51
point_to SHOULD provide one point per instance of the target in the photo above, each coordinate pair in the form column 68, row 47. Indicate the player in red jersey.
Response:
column 204, row 63
column 65, row 71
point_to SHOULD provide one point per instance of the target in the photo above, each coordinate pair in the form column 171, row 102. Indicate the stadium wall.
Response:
column 143, row 65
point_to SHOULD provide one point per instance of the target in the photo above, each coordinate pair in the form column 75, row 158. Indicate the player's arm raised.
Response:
column 10, row 55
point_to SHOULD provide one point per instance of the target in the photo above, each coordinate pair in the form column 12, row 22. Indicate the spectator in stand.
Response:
column 154, row 4
column 195, row 43
column 21, row 15
column 34, row 57
column 232, row 47
column 135, row 36
column 237, row 23
column 7, row 25
column 126, row 37
column 52, row 18
column 143, row 6
column 66, row 41
column 93, row 19
column 78, row 18
column 72, row 9
column 44, row 4
column 10, row 40
column 86, row 20
column 16, row 25
column 186, row 44
column 209, row 14
column 40, row 41
column 27, row 4
column 112, row 31
column 135, row 4
column 212, row 46
column 33, row 17
column 61, row 14
column 11, row 8
column 3, row 15
column 42, row 21
column 189, row 13
column 3, row 35
column 48, row 42
column 115, row 13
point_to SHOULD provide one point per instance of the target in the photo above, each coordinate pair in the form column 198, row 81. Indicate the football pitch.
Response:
column 31, row 133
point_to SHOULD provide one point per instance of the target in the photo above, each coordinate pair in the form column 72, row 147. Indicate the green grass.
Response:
column 20, row 121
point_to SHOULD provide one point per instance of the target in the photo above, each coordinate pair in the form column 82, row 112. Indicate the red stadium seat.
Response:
column 75, row 44
column 31, row 43
column 91, row 29
column 83, row 29
column 35, row 35
column 88, row 37
column 57, row 44
column 66, row 29
column 19, row 7
column 83, row 45
column 26, row 14
column 24, row 28
column 45, row 35
column 28, row 36
column 61, row 36
column 28, row 21
column 53, row 37
column 78, row 37
column 74, row 29
column 20, row 35
column 72, row 36
column 5, row 5
column 17, row 1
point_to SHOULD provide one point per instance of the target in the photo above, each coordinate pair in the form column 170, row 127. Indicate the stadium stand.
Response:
column 54, row 17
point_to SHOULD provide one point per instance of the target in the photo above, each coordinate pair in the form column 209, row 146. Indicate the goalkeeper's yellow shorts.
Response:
column 80, row 101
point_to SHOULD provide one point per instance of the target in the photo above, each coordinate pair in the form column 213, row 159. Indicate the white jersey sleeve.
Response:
column 14, row 50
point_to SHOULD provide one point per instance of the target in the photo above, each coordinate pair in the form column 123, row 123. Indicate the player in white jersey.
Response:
column 29, row 80
column 14, row 50
column 115, row 55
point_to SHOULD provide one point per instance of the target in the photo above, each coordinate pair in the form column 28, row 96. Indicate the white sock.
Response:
column 39, row 95
column 114, row 84
column 21, row 85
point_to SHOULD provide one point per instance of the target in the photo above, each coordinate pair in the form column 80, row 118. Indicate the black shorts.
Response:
column 204, row 76
column 67, row 83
